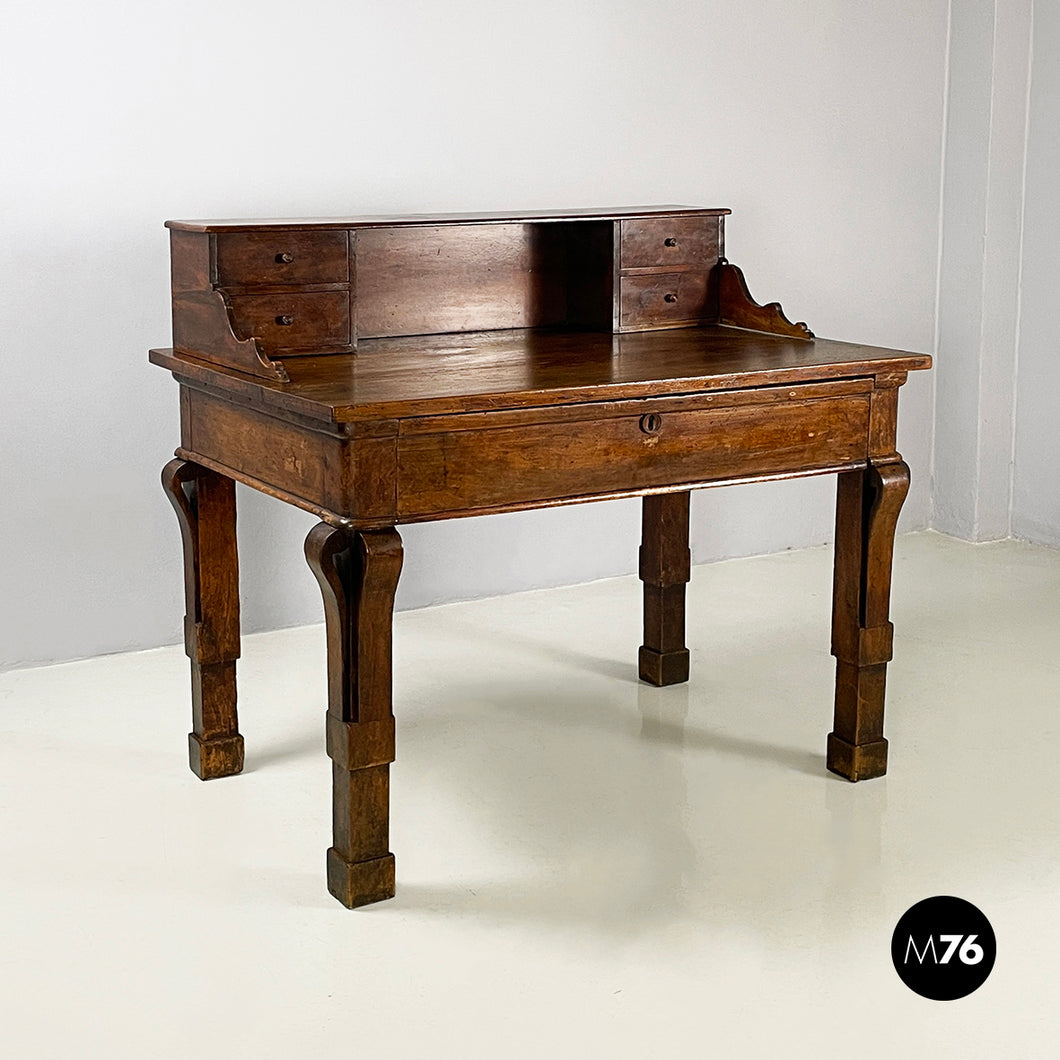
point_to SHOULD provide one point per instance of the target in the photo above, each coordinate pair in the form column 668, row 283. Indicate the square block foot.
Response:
column 857, row 762
column 220, row 757
column 361, row 882
column 663, row 667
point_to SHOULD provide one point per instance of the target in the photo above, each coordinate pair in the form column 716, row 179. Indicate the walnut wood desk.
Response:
column 382, row 371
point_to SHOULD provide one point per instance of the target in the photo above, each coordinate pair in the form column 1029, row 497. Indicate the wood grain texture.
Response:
column 436, row 374
column 358, row 575
column 318, row 287
column 737, row 308
column 308, row 464
column 653, row 241
column 291, row 257
column 421, row 219
column 289, row 323
column 416, row 281
column 348, row 470
column 202, row 324
column 203, row 329
column 204, row 502
column 482, row 466
column 663, row 300
column 867, row 506
column 883, row 418
column 665, row 568
column 530, row 401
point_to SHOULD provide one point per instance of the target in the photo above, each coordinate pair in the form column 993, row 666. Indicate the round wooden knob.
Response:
column 285, row 320
column 671, row 297
column 284, row 258
column 670, row 242
column 651, row 423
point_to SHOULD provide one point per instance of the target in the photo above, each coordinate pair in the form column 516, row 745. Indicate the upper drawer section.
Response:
column 662, row 299
column 648, row 242
column 295, row 320
column 294, row 257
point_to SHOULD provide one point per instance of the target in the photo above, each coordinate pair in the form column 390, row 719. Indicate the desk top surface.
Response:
column 617, row 213
column 427, row 375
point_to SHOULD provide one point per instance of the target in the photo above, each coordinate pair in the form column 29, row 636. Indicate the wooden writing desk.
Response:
column 380, row 371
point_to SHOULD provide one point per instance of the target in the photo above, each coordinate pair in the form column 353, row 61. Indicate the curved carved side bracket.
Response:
column 890, row 485
column 737, row 308
column 202, row 328
column 357, row 572
column 381, row 556
column 179, row 482
column 328, row 553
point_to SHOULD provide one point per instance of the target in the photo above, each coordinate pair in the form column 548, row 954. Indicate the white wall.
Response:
column 819, row 123
column 997, row 449
column 982, row 230
column 1036, row 493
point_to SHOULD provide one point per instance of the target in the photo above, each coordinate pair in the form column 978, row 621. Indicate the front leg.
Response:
column 205, row 503
column 358, row 574
column 867, row 507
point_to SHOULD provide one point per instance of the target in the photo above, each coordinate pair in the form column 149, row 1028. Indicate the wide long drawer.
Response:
column 497, row 460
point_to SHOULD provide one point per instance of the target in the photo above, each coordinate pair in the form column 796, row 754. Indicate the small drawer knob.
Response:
column 284, row 258
column 671, row 297
column 670, row 242
column 651, row 423
column 285, row 320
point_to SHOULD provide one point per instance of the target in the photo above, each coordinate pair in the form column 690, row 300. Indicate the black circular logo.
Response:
column 943, row 948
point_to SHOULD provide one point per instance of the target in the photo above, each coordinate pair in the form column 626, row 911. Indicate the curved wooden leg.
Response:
column 665, row 567
column 867, row 507
column 358, row 575
column 205, row 504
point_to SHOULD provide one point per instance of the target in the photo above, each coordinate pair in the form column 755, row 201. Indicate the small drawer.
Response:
column 648, row 242
column 293, row 321
column 507, row 459
column 663, row 299
column 294, row 257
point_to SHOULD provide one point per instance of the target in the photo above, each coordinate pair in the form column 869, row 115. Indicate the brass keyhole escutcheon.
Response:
column 651, row 423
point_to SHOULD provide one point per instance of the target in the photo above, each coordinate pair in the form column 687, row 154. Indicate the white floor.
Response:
column 587, row 866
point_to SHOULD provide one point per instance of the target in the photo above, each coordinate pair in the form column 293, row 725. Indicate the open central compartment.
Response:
column 481, row 277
